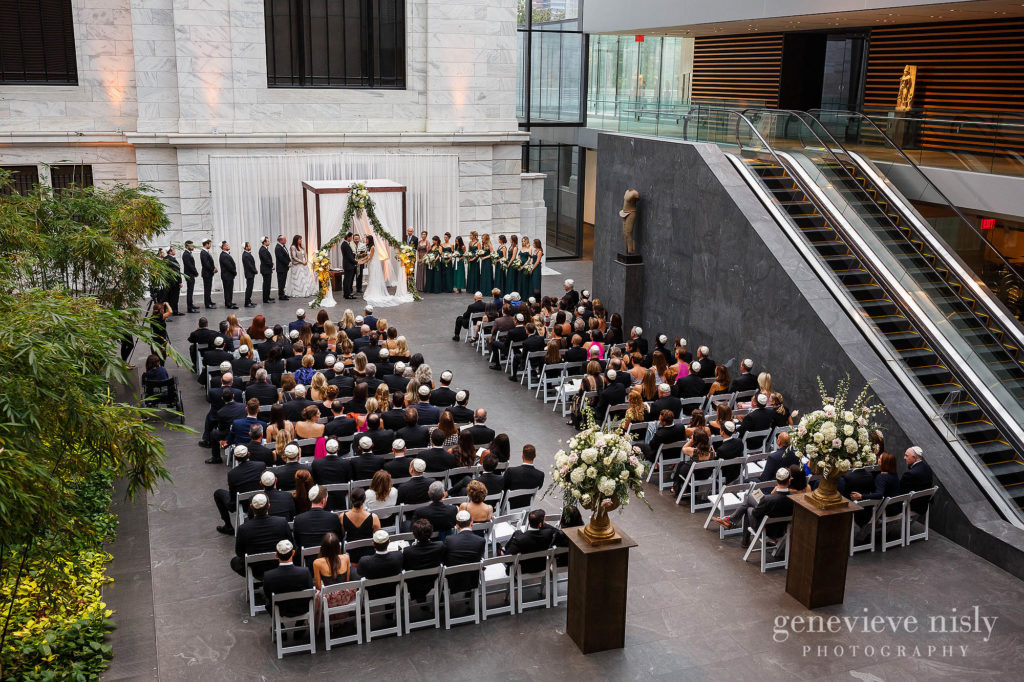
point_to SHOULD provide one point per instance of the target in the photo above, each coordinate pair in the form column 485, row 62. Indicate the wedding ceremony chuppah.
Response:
column 375, row 211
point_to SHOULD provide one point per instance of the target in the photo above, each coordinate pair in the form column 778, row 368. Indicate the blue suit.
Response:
column 296, row 324
column 370, row 321
column 240, row 429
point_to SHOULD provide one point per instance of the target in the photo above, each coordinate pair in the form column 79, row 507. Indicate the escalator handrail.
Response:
column 842, row 170
column 920, row 172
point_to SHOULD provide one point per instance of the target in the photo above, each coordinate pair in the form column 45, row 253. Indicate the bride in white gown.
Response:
column 383, row 271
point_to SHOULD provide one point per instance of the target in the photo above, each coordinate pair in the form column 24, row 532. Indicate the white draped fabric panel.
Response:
column 256, row 195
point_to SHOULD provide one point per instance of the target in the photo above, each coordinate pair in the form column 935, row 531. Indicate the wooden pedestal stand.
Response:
column 820, row 549
column 596, row 618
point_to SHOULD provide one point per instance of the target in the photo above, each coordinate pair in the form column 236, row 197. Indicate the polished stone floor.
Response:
column 695, row 611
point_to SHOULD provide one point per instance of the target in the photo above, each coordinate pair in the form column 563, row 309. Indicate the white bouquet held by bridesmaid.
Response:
column 836, row 438
column 598, row 471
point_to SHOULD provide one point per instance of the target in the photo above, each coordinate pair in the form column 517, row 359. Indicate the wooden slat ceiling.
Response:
column 739, row 68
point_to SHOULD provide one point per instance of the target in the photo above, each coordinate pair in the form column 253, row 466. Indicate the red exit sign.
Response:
column 988, row 223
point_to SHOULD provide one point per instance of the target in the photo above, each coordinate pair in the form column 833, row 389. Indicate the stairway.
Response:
column 948, row 396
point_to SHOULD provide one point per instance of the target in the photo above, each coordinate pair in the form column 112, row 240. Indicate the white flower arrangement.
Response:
column 835, row 438
column 599, row 464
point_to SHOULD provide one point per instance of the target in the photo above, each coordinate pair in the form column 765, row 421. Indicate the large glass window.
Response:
column 335, row 43
column 551, row 80
column 562, row 166
column 37, row 43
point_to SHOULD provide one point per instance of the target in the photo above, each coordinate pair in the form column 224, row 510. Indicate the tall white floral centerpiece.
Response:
column 835, row 439
column 599, row 470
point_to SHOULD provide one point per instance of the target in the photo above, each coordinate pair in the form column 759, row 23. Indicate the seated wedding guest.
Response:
column 258, row 451
column 397, row 381
column 414, row 435
column 637, row 370
column 697, row 450
column 310, row 526
column 318, row 387
column 613, row 394
column 538, row 537
column 309, row 427
column 155, row 370
column 592, row 381
column 358, row 523
column 667, row 432
column 446, row 425
column 523, row 477
column 331, row 469
column 722, row 381
column 381, row 437
column 781, row 457
column 666, row 401
column 723, row 413
column 381, row 493
column 428, row 414
column 778, row 405
column 500, row 448
column 365, row 464
column 437, row 457
column 481, row 433
column 649, row 385
column 440, row 515
column 730, row 448
column 258, row 535
column 575, row 352
column 478, row 509
column 243, row 478
column 463, row 547
column 918, row 476
column 464, row 452
column 636, row 412
column 278, row 424
column 287, row 577
column 380, row 563
column 774, row 505
column 414, row 491
column 460, row 410
column 691, row 385
column 698, row 422
column 659, row 364
column 762, row 418
column 333, row 566
column 745, row 381
column 443, row 396
column 798, row 482
column 281, row 501
column 286, row 472
column 293, row 408
column 422, row 553
column 764, row 386
column 636, row 334
column 261, row 389
column 394, row 417
column 303, row 484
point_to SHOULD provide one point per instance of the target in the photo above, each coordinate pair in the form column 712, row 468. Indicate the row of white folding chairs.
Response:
column 501, row 576
column 892, row 514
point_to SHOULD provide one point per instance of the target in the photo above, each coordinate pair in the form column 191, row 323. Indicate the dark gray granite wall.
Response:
column 719, row 271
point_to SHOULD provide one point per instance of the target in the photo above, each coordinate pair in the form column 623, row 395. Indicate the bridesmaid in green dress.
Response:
column 447, row 271
column 434, row 271
column 512, row 276
column 500, row 278
column 460, row 266
column 486, row 267
column 473, row 263
column 538, row 264
column 524, row 277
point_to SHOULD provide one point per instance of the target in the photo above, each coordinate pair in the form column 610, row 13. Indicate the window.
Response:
column 62, row 177
column 37, row 43
column 335, row 43
column 22, row 179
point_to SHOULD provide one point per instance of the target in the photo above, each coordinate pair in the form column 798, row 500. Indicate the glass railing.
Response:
column 993, row 143
column 958, row 236
column 660, row 118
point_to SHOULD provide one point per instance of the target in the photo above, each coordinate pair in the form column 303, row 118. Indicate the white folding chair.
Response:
column 389, row 603
column 468, row 331
column 283, row 625
column 471, row 596
column 502, row 528
column 760, row 437
column 251, row 582
column 506, row 503
column 433, row 597
column 693, row 482
column 514, row 349
column 727, row 499
column 895, row 509
column 688, row 405
column 662, row 463
column 761, row 543
column 529, row 373
column 550, row 379
column 869, row 546
column 559, row 575
column 541, row 579
column 240, row 514
column 482, row 336
column 391, row 517
column 912, row 515
column 330, row 612
column 615, row 413
column 741, row 397
column 753, row 465
column 497, row 576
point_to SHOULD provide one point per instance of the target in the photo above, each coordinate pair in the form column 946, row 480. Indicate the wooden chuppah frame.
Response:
column 317, row 191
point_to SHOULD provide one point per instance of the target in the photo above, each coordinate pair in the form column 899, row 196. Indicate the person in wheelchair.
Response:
column 155, row 370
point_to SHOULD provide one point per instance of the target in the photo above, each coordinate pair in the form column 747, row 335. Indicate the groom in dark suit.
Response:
column 348, row 264
column 284, row 260
column 266, row 269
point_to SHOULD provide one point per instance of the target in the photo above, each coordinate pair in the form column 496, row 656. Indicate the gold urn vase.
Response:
column 826, row 495
column 599, row 530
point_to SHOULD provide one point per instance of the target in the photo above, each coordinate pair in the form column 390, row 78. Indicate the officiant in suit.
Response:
column 188, row 261
column 266, row 268
column 209, row 270
column 249, row 270
column 284, row 260
column 228, row 270
column 348, row 265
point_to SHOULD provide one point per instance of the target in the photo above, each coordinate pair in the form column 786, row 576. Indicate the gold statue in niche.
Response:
column 905, row 96
column 628, row 215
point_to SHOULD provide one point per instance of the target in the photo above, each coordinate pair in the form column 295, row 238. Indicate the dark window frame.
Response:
column 301, row 34
column 65, row 175
column 37, row 43
column 24, row 178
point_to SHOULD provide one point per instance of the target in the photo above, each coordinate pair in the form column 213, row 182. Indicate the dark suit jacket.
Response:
column 917, row 477
column 373, row 566
column 776, row 460
column 226, row 417
column 393, row 419
column 311, row 526
column 228, row 269
column 398, row 467
column 282, row 257
column 348, row 256
column 482, row 434
column 418, row 556
column 773, row 506
column 743, row 382
column 669, row 402
column 440, row 515
column 364, row 466
column 206, row 263
column 382, row 440
column 248, row 264
column 533, row 540
column 575, row 354
column 286, row 474
column 414, row 491
column 258, row 452
column 339, row 427
column 266, row 261
column 293, row 408
column 414, row 436
column 188, row 261
column 331, row 469
column 730, row 449
column 260, row 535
column 429, row 414
column 283, row 579
column 463, row 547
column 240, row 429
column 438, row 459
column 442, row 396
column 758, row 419
column 614, row 394
column 345, row 385
column 667, row 434
column 461, row 414
column 690, row 386
column 245, row 478
column 395, row 383
column 264, row 392
column 520, row 478
column 886, row 485
column 856, row 480
column 203, row 336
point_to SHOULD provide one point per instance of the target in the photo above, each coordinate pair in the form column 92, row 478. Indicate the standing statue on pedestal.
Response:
column 628, row 215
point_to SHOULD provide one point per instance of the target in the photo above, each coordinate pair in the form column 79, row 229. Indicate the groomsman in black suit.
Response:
column 173, row 291
column 209, row 270
column 249, row 270
column 284, row 260
column 266, row 268
column 348, row 264
column 189, row 263
column 228, row 270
